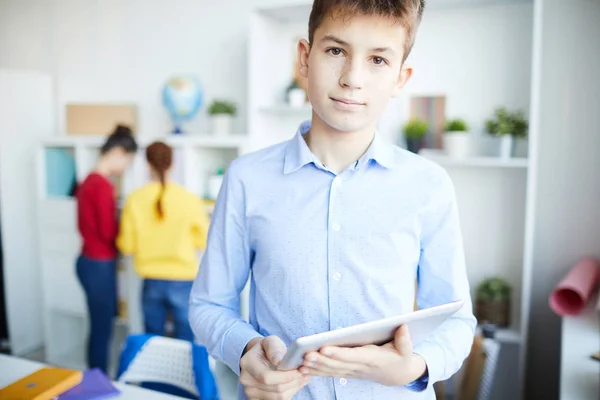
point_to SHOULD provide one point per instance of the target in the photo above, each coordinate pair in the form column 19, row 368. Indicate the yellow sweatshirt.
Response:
column 164, row 248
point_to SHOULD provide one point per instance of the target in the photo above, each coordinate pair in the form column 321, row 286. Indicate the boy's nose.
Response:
column 351, row 76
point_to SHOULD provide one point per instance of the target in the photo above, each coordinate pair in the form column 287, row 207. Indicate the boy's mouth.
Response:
column 346, row 102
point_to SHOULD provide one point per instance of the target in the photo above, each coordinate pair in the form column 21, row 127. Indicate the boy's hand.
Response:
column 260, row 379
column 393, row 364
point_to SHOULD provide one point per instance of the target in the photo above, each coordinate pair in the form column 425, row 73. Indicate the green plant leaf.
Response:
column 415, row 129
column 222, row 107
column 507, row 122
column 493, row 289
column 456, row 125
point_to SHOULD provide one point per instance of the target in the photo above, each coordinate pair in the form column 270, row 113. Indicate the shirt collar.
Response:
column 380, row 152
column 298, row 154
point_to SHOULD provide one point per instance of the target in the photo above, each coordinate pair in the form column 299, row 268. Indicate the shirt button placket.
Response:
column 335, row 228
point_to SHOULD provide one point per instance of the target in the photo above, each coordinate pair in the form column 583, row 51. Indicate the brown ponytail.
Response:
column 160, row 158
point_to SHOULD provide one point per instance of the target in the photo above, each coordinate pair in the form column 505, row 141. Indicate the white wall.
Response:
column 495, row 41
column 565, row 223
column 26, row 117
column 124, row 51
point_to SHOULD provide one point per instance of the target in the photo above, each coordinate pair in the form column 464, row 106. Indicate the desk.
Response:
column 579, row 374
column 13, row 369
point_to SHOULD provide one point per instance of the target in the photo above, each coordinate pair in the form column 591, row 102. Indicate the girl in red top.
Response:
column 97, row 223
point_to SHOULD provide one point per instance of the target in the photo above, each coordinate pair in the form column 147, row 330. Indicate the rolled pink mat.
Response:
column 573, row 292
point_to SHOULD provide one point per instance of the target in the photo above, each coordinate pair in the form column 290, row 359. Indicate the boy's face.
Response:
column 353, row 68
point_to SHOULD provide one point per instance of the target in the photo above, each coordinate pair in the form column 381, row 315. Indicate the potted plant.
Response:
column 492, row 302
column 221, row 114
column 456, row 138
column 296, row 96
column 508, row 125
column 414, row 132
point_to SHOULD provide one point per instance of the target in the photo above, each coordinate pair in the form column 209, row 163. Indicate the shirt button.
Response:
column 337, row 276
column 343, row 381
column 336, row 227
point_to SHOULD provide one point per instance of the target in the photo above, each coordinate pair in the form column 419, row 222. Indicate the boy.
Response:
column 336, row 226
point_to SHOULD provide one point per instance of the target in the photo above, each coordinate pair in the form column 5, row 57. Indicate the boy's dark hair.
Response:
column 407, row 12
column 121, row 137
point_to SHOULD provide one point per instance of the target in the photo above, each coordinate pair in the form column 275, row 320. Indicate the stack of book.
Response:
column 62, row 384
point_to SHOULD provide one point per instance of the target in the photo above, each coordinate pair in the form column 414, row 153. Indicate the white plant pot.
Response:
column 456, row 144
column 214, row 186
column 221, row 124
column 297, row 98
column 507, row 146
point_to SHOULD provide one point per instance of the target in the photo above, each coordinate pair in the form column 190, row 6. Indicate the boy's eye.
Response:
column 378, row 61
column 335, row 51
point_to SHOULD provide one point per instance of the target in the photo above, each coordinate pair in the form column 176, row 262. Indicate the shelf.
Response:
column 505, row 335
column 439, row 157
column 508, row 336
column 206, row 140
column 61, row 198
column 285, row 110
column 72, row 141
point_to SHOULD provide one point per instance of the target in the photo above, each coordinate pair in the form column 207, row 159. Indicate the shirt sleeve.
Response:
column 126, row 239
column 442, row 278
column 106, row 212
column 225, row 268
column 200, row 226
column 419, row 384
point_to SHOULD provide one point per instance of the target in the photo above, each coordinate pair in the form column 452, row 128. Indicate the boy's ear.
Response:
column 405, row 74
column 303, row 52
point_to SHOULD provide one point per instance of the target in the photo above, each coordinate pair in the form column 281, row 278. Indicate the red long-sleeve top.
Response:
column 96, row 217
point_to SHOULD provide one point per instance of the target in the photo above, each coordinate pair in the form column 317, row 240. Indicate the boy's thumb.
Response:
column 274, row 349
column 402, row 341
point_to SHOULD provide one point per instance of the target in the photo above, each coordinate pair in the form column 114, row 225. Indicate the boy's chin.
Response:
column 348, row 125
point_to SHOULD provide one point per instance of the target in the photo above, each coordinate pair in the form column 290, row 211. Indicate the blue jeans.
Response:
column 162, row 296
column 99, row 281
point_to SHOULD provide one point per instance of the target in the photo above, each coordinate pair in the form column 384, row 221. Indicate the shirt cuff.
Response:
column 234, row 342
column 420, row 384
column 435, row 359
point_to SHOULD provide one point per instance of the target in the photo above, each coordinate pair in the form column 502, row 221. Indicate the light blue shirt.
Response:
column 331, row 250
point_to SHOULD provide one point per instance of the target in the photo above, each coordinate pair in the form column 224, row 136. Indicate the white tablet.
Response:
column 420, row 324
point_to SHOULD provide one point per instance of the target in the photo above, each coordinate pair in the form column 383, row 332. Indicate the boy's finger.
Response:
column 358, row 355
column 258, row 391
column 332, row 366
column 270, row 377
column 260, row 370
column 402, row 341
column 274, row 349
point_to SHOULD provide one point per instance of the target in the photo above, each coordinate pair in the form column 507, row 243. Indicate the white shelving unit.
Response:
column 61, row 161
column 491, row 192
column 441, row 158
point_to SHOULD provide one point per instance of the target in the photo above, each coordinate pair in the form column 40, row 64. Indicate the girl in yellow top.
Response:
column 162, row 226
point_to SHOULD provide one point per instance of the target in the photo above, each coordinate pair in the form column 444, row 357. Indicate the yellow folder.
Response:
column 44, row 384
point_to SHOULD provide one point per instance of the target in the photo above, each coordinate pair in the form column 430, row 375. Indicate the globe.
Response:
column 182, row 97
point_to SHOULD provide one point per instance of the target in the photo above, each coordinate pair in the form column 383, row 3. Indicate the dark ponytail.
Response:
column 120, row 137
column 160, row 158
